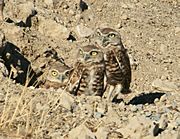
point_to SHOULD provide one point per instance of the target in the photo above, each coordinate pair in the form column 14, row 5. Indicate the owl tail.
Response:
column 126, row 89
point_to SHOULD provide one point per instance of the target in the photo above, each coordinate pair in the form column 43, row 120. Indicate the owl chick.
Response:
column 89, row 71
column 118, row 70
column 56, row 75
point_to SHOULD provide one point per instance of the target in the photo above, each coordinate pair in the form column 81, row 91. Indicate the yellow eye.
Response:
column 54, row 73
column 94, row 53
column 112, row 35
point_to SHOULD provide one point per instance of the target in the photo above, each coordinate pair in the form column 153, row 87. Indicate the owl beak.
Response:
column 61, row 78
column 105, row 40
column 86, row 57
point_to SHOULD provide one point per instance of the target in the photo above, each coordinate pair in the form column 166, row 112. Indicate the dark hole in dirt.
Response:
column 157, row 130
column 18, row 66
column 20, row 24
column 71, row 38
column 27, row 23
column 117, row 100
column 146, row 98
column 28, row 19
column 9, row 20
column 83, row 6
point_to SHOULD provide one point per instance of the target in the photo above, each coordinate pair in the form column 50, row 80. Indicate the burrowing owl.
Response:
column 89, row 71
column 56, row 75
column 118, row 70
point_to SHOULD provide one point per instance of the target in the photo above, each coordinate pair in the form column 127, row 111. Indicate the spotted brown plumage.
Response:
column 90, row 71
column 118, row 70
column 56, row 75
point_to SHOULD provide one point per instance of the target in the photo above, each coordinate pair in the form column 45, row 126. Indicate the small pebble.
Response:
column 163, row 123
column 178, row 121
column 98, row 115
column 156, row 100
column 140, row 107
column 133, row 108
column 83, row 31
column 71, row 12
column 148, row 114
column 177, row 30
column 124, row 17
column 156, row 117
column 163, row 98
column 124, row 118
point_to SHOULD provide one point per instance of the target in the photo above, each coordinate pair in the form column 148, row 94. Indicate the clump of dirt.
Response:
column 150, row 31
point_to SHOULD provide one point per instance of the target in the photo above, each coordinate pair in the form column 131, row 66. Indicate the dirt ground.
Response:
column 150, row 31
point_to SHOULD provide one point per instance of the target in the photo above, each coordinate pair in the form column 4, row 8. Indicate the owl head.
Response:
column 58, row 73
column 90, row 54
column 106, row 36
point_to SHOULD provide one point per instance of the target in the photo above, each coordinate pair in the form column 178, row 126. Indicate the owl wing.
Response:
column 124, row 63
column 75, row 78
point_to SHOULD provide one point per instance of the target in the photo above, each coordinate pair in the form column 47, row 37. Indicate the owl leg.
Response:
column 125, row 88
column 117, row 90
column 109, row 92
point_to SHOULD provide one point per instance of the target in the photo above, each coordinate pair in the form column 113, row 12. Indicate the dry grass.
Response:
column 19, row 117
column 18, row 109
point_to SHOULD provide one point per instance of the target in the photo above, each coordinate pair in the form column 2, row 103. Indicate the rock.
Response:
column 163, row 123
column 24, row 10
column 101, row 133
column 3, row 70
column 148, row 114
column 66, row 101
column 124, row 17
column 83, row 31
column 49, row 2
column 123, row 5
column 98, row 115
column 156, row 100
column 114, row 135
column 178, row 121
column 156, row 117
column 134, row 127
column 163, row 48
column 81, row 132
column 163, row 98
column 165, row 85
column 140, row 107
column 178, row 135
column 12, row 32
column 52, row 29
column 133, row 108
column 177, row 30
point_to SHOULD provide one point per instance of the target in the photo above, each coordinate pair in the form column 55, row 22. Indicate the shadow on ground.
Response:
column 18, row 66
column 146, row 98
